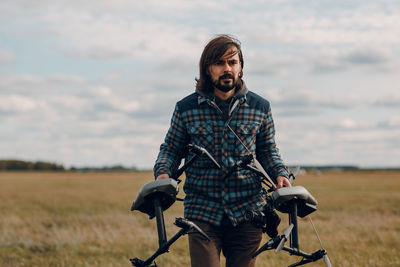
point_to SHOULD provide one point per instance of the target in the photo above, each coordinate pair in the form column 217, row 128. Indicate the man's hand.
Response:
column 282, row 181
column 163, row 176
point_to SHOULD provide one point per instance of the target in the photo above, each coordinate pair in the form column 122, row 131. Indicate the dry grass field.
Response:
column 84, row 219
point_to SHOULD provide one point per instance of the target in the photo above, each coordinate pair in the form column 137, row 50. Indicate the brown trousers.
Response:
column 237, row 245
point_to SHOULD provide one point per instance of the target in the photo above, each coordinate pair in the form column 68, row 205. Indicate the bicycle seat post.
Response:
column 294, row 237
column 162, row 235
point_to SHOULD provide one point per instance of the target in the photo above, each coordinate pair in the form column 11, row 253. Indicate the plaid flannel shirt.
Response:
column 198, row 120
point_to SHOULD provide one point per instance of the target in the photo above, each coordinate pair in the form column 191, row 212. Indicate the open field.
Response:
column 83, row 219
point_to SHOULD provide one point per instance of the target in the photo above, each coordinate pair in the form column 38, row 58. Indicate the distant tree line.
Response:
column 116, row 168
column 330, row 167
column 20, row 165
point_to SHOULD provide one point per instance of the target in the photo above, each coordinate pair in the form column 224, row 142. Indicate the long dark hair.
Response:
column 213, row 51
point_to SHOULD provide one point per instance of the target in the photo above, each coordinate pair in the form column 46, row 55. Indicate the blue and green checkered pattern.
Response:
column 197, row 119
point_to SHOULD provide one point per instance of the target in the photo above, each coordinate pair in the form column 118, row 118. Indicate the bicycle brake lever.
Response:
column 188, row 225
column 200, row 150
column 284, row 236
column 201, row 232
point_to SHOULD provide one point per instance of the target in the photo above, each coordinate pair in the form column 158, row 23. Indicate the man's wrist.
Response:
column 160, row 172
column 162, row 176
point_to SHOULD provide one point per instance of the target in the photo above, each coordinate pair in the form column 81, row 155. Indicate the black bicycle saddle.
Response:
column 165, row 190
column 282, row 198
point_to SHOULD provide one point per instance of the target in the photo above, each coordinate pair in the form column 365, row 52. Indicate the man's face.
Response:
column 225, row 72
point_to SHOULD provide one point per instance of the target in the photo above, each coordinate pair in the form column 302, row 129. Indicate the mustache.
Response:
column 226, row 76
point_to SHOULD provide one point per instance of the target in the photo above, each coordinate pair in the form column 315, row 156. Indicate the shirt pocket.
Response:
column 247, row 133
column 202, row 135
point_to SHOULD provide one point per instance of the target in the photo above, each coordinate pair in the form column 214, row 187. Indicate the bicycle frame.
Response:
column 159, row 195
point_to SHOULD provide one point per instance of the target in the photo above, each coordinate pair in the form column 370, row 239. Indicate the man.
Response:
column 230, row 122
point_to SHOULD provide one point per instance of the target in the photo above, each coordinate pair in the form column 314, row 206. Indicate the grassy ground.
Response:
column 83, row 219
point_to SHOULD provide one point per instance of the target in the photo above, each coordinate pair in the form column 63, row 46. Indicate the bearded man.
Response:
column 230, row 122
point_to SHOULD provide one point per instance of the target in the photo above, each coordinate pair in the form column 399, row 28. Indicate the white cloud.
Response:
column 16, row 104
column 16, row 82
column 348, row 123
column 392, row 122
column 118, row 102
column 6, row 56
column 301, row 101
column 88, row 35
column 389, row 101
column 367, row 57
column 63, row 78
column 339, row 141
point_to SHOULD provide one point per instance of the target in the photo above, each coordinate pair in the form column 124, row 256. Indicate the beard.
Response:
column 225, row 87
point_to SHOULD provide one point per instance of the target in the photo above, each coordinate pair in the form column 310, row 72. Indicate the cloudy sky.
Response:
column 94, row 82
